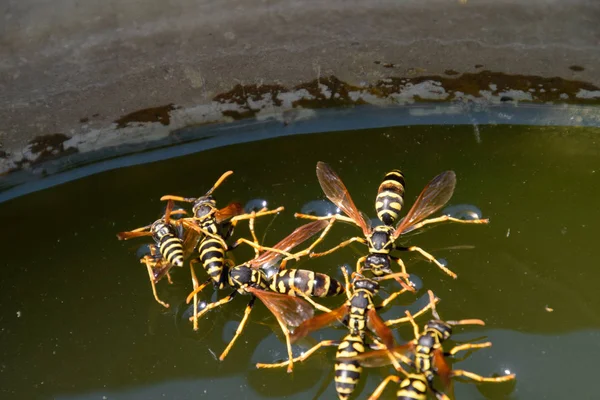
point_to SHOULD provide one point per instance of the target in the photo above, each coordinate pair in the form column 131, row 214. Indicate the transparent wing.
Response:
column 318, row 322
column 336, row 192
column 295, row 238
column 293, row 311
column 433, row 197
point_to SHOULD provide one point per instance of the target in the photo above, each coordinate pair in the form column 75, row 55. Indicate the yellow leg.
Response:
column 444, row 218
column 337, row 217
column 303, row 357
column 410, row 318
column 216, row 304
column 151, row 276
column 430, row 258
column 256, row 214
column 377, row 393
column 239, row 329
column 479, row 378
column 316, row 305
column 359, row 263
column 390, row 298
column 169, row 278
column 258, row 247
column 347, row 282
column 468, row 346
column 339, row 246
column 309, row 248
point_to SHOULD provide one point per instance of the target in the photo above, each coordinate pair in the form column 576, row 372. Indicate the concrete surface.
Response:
column 69, row 69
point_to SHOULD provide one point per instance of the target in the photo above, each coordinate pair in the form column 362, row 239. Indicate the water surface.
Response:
column 79, row 320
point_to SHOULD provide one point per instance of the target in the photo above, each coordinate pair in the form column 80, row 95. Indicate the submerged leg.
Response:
column 479, row 378
column 303, row 357
column 151, row 276
column 339, row 246
column 214, row 305
column 239, row 329
column 448, row 218
column 377, row 393
column 430, row 258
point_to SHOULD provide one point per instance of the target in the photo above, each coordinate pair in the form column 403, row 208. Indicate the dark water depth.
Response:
column 78, row 320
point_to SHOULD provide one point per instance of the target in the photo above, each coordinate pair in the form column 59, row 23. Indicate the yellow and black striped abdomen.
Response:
column 347, row 372
column 414, row 387
column 308, row 282
column 212, row 256
column 171, row 248
column 390, row 197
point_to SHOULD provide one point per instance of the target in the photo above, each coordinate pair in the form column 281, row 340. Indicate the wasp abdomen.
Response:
column 171, row 248
column 347, row 372
column 308, row 282
column 212, row 256
column 390, row 197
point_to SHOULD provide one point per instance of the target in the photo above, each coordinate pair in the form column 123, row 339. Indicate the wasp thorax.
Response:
column 204, row 206
column 441, row 328
column 379, row 264
column 366, row 284
column 240, row 275
column 160, row 229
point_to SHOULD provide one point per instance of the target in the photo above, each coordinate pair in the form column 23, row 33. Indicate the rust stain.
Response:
column 154, row 114
column 576, row 68
column 451, row 72
column 542, row 89
column 48, row 147
column 336, row 94
column 243, row 94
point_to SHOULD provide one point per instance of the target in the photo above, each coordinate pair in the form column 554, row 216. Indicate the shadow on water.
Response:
column 79, row 321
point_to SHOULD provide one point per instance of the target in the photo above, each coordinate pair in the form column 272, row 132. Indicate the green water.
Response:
column 78, row 320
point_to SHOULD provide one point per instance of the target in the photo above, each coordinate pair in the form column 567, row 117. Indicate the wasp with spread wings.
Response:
column 381, row 240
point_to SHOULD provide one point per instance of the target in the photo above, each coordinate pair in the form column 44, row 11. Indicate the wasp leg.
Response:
column 347, row 283
column 402, row 269
column 448, row 218
column 467, row 346
column 428, row 257
column 312, row 246
column 338, row 217
column 239, row 329
column 377, row 393
column 262, row 248
column 339, row 246
column 169, row 278
column 256, row 214
column 316, row 305
column 197, row 289
column 410, row 318
column 479, row 378
column 151, row 276
column 216, row 304
column 390, row 298
column 303, row 357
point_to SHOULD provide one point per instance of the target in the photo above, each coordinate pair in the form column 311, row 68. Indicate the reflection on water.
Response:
column 79, row 321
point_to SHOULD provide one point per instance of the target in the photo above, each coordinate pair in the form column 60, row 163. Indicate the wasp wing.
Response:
column 433, row 197
column 293, row 311
column 336, row 192
column 380, row 358
column 376, row 324
column 229, row 211
column 295, row 238
column 318, row 322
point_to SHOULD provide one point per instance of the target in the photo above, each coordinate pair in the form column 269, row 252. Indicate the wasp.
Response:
column 412, row 387
column 174, row 242
column 381, row 240
column 250, row 278
column 361, row 313
column 429, row 356
column 217, row 226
